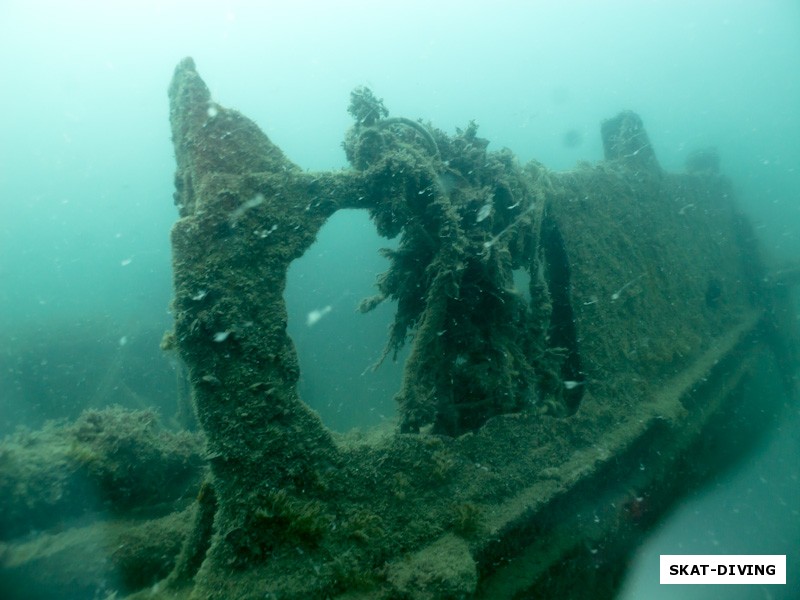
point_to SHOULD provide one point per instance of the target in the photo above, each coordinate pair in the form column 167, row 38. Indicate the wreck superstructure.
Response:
column 643, row 285
column 541, row 431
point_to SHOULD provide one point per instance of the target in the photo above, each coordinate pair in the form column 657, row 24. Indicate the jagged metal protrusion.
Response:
column 625, row 139
column 235, row 190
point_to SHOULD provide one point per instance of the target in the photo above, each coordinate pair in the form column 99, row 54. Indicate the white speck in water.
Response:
column 237, row 213
column 315, row 315
column 262, row 233
column 493, row 241
column 571, row 385
column 221, row 336
column 123, row 340
column 126, row 262
column 616, row 295
column 484, row 211
column 213, row 111
column 200, row 295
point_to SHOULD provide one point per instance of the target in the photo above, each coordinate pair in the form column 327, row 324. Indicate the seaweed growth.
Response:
column 467, row 219
column 111, row 459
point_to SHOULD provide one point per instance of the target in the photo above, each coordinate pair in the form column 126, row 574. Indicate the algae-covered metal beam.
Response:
column 641, row 285
column 246, row 213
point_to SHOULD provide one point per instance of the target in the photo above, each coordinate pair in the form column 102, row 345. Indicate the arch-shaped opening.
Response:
column 337, row 346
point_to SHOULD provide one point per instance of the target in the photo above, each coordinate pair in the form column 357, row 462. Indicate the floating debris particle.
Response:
column 210, row 379
column 494, row 240
column 237, row 213
column 316, row 315
column 615, row 296
column 221, row 336
column 484, row 211
column 262, row 233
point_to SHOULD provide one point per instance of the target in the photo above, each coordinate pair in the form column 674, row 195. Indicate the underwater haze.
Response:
column 87, row 169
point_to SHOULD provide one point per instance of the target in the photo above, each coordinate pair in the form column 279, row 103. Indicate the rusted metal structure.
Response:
column 541, row 431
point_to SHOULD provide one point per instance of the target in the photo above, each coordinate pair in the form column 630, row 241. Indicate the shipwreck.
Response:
column 541, row 432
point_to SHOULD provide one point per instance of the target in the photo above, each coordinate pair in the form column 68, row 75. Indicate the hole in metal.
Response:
column 337, row 346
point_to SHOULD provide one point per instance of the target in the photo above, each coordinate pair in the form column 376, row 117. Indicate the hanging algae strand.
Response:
column 473, row 353
column 495, row 239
